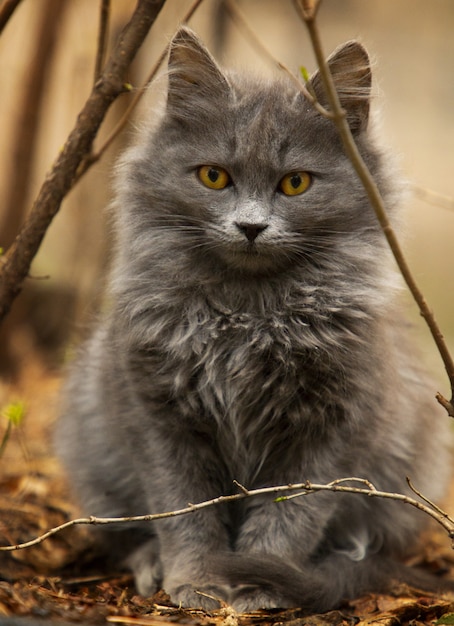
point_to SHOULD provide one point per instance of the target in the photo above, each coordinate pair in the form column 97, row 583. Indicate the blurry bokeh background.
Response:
column 47, row 57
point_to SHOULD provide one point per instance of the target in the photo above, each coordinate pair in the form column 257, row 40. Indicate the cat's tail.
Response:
column 322, row 585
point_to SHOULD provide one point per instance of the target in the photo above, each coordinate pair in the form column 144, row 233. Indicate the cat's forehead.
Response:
column 271, row 118
column 253, row 105
column 253, row 97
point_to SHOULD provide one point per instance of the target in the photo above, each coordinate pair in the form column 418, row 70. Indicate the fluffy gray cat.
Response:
column 252, row 335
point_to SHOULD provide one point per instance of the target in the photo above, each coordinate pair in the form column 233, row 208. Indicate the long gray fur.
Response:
column 270, row 361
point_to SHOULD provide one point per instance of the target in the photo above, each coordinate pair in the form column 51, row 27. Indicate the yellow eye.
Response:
column 213, row 177
column 295, row 183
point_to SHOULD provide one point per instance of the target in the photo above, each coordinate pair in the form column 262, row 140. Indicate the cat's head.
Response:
column 248, row 174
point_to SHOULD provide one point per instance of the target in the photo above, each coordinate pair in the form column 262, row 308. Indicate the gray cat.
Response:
column 252, row 335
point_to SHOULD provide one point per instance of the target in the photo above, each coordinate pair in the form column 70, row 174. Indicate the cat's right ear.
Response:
column 192, row 70
column 351, row 72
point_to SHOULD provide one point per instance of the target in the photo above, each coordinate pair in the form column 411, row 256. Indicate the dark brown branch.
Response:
column 93, row 158
column 26, row 124
column 6, row 10
column 102, row 37
column 307, row 10
column 16, row 262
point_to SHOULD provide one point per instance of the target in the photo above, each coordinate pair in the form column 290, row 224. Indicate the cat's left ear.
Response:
column 192, row 70
column 350, row 68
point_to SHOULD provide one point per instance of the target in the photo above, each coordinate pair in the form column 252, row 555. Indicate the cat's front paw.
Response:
column 208, row 597
column 249, row 598
column 146, row 567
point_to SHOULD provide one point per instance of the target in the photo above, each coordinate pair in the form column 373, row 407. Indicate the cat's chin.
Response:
column 253, row 262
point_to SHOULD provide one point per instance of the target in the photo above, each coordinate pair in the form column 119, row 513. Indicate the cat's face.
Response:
column 252, row 175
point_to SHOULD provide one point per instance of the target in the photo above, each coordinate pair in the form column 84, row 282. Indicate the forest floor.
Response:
column 58, row 579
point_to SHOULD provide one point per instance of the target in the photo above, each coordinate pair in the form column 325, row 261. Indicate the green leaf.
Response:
column 447, row 618
column 280, row 499
column 304, row 73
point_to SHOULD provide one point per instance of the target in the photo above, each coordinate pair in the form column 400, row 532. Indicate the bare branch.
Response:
column 374, row 196
column 241, row 23
column 308, row 8
column 446, row 404
column 304, row 489
column 102, row 37
column 6, row 10
column 17, row 260
column 93, row 158
column 27, row 120
column 435, row 198
column 423, row 497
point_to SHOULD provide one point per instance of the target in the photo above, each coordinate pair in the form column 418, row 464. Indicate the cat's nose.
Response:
column 251, row 231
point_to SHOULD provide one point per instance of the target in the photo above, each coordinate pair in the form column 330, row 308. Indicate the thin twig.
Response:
column 93, row 158
column 362, row 481
column 307, row 12
column 6, row 10
column 137, row 621
column 308, row 8
column 304, row 489
column 17, row 260
column 425, row 498
column 435, row 198
column 241, row 23
column 241, row 487
column 103, row 34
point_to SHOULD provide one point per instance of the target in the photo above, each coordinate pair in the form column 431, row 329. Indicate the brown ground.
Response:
column 57, row 580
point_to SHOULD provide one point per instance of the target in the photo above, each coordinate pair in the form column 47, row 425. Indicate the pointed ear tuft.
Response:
column 192, row 69
column 350, row 68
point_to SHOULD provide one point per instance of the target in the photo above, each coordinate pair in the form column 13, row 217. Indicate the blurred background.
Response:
column 47, row 64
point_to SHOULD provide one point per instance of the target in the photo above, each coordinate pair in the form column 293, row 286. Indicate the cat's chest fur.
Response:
column 255, row 365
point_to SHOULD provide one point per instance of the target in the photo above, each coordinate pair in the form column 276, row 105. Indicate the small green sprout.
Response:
column 14, row 414
column 304, row 73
